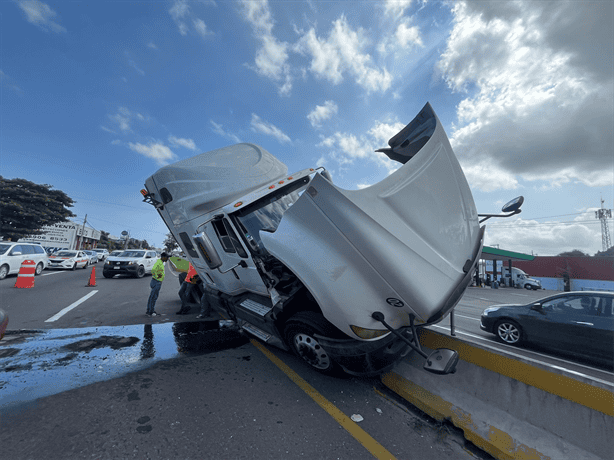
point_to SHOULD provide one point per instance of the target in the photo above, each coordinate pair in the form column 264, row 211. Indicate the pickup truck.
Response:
column 343, row 278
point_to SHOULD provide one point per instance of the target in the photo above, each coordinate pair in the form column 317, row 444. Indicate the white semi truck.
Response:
column 342, row 278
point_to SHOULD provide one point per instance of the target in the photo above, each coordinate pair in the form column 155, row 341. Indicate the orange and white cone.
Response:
column 92, row 281
column 25, row 277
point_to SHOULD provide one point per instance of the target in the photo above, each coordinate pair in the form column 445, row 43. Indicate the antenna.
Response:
column 603, row 215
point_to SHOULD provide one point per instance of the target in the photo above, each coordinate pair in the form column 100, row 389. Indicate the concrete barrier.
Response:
column 512, row 408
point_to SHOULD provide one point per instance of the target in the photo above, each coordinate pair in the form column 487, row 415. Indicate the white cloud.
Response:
column 183, row 15
column 539, row 105
column 261, row 126
column 547, row 238
column 343, row 52
column 219, row 129
column 152, row 45
column 322, row 112
column 272, row 56
column 179, row 142
column 41, row 15
column 396, row 7
column 155, row 150
column 407, row 35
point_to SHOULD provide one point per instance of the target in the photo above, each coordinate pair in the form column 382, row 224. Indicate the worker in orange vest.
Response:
column 190, row 282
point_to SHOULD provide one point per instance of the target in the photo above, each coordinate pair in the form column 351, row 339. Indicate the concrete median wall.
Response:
column 513, row 408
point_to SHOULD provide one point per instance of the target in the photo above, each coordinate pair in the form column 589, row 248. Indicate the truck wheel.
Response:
column 108, row 275
column 528, row 287
column 140, row 272
column 299, row 334
column 4, row 270
column 508, row 332
column 39, row 269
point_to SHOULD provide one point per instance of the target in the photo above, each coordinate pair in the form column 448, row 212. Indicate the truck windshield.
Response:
column 265, row 214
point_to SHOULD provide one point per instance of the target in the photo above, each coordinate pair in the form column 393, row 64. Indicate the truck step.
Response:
column 255, row 307
column 256, row 332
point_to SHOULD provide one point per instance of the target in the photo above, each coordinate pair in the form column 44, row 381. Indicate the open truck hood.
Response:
column 405, row 245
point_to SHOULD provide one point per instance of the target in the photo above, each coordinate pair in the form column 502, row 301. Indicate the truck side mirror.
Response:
column 513, row 205
column 207, row 250
column 442, row 361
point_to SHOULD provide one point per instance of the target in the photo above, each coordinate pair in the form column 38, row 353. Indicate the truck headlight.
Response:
column 365, row 333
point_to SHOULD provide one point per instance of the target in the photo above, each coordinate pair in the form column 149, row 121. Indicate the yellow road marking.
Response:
column 374, row 447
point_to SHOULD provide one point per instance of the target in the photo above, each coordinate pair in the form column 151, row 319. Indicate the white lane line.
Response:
column 70, row 307
column 609, row 374
column 52, row 273
column 520, row 295
column 468, row 317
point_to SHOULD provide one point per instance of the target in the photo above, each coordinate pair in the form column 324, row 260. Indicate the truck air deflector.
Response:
column 201, row 184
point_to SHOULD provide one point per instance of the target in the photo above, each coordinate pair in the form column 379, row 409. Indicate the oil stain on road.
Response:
column 34, row 363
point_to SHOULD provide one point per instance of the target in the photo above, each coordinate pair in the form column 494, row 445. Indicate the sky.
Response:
column 97, row 96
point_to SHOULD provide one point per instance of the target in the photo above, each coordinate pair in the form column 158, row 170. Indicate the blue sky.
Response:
column 95, row 97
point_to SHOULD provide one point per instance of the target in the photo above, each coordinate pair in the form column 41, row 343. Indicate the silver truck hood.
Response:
column 401, row 246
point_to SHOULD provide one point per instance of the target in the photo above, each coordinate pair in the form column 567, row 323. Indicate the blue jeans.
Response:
column 153, row 296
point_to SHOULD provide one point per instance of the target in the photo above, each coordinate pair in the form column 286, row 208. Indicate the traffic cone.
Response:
column 25, row 277
column 92, row 281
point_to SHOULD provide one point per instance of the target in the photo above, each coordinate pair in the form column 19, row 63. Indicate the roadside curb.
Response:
column 509, row 417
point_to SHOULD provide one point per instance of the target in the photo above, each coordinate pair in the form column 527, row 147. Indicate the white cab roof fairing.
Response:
column 407, row 237
column 203, row 183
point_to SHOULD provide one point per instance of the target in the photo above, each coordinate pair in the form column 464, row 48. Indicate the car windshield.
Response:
column 266, row 213
column 132, row 254
column 4, row 248
column 65, row 254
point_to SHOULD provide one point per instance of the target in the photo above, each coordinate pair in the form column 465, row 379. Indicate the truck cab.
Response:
column 341, row 277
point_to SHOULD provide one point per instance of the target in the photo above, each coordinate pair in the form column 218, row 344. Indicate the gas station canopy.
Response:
column 489, row 253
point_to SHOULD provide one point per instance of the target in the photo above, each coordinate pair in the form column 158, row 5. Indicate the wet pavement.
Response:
column 39, row 363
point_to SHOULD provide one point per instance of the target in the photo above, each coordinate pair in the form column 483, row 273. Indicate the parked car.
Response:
column 116, row 253
column 102, row 253
column 134, row 262
column 12, row 254
column 580, row 323
column 69, row 259
column 92, row 255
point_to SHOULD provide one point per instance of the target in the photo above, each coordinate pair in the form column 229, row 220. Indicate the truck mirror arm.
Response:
column 440, row 361
column 488, row 216
column 241, row 264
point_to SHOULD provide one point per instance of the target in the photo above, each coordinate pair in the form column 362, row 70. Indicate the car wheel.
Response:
column 108, row 275
column 86, row 264
column 4, row 270
column 508, row 332
column 74, row 266
column 39, row 269
column 140, row 272
column 300, row 331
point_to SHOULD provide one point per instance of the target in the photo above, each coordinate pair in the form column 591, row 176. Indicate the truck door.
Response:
column 231, row 251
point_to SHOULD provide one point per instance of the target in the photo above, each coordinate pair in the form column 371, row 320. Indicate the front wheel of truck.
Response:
column 300, row 331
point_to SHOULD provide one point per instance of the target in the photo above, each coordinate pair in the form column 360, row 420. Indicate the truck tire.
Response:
column 140, row 271
column 528, row 287
column 108, row 275
column 299, row 333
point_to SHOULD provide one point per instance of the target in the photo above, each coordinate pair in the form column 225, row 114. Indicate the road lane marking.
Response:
column 374, row 447
column 467, row 317
column 504, row 350
column 52, row 273
column 70, row 307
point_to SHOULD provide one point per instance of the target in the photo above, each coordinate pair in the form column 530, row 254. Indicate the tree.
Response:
column 574, row 253
column 169, row 243
column 26, row 207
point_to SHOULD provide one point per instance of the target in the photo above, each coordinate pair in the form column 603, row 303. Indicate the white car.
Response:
column 92, row 255
column 102, row 253
column 12, row 254
column 69, row 259
column 134, row 262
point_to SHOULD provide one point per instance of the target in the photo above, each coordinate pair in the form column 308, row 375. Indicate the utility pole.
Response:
column 82, row 233
column 603, row 215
